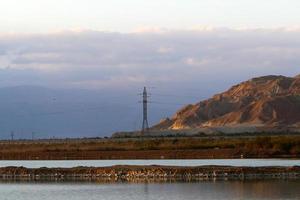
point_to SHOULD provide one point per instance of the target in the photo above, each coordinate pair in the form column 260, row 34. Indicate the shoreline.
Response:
column 143, row 154
column 152, row 173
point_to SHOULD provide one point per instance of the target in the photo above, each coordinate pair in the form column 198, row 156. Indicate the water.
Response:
column 225, row 190
column 206, row 190
column 196, row 162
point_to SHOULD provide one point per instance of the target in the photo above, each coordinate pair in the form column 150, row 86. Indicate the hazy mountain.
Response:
column 269, row 101
column 69, row 112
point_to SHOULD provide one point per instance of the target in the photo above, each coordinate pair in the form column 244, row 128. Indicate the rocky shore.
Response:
column 148, row 173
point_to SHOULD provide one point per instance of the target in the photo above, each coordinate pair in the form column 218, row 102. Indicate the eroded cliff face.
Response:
column 263, row 101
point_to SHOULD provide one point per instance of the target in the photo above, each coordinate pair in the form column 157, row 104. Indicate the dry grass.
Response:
column 272, row 144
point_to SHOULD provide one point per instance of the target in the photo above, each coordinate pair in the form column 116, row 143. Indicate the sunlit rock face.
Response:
column 263, row 101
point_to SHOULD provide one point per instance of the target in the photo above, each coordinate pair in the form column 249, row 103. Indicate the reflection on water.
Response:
column 265, row 189
column 179, row 162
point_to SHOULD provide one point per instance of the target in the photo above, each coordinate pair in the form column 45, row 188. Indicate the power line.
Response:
column 166, row 103
column 174, row 95
column 71, row 111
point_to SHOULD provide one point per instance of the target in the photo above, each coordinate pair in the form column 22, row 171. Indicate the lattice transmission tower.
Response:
column 145, row 125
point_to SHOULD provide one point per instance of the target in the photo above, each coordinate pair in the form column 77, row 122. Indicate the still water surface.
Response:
column 196, row 162
column 226, row 190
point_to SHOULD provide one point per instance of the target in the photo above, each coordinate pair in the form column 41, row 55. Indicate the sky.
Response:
column 96, row 44
column 36, row 16
column 183, row 51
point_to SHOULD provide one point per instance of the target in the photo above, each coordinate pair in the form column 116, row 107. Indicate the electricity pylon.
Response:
column 145, row 125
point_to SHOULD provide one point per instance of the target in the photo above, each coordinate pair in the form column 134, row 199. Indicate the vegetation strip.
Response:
column 154, row 148
column 135, row 173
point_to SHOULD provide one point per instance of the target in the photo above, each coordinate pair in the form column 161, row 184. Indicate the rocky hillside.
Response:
column 269, row 101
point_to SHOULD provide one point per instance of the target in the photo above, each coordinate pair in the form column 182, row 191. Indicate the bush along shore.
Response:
column 148, row 173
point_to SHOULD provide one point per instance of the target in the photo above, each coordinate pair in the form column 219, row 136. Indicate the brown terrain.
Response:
column 154, row 148
column 269, row 103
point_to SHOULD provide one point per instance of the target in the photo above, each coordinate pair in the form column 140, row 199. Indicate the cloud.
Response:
column 91, row 59
column 164, row 50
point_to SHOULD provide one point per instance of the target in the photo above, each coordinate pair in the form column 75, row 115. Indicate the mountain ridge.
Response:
column 266, row 101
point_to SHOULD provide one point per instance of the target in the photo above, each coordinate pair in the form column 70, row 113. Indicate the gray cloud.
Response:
column 189, row 59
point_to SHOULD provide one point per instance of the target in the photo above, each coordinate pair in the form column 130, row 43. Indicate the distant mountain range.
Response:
column 64, row 113
column 262, row 103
